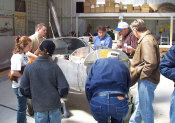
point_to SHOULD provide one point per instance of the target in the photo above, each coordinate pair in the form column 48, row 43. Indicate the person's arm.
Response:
column 16, row 62
column 128, row 80
column 16, row 73
column 25, row 84
column 149, row 55
column 167, row 65
column 88, row 84
column 62, row 84
column 95, row 47
column 31, row 55
column 130, row 50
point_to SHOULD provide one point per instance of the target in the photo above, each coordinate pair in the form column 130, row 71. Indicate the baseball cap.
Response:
column 48, row 45
column 122, row 25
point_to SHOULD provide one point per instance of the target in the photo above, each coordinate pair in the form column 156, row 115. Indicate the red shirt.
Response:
column 130, row 40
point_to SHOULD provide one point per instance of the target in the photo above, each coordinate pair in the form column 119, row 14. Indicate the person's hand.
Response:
column 119, row 46
column 129, row 49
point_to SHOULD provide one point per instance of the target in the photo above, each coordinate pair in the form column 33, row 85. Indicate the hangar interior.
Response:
column 72, row 25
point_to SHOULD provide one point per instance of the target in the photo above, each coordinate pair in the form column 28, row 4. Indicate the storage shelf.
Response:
column 153, row 15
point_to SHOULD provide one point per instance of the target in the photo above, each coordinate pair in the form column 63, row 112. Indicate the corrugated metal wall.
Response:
column 7, row 8
column 7, row 5
column 65, row 11
column 37, row 11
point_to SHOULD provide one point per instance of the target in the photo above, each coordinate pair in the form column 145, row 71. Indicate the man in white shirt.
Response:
column 39, row 36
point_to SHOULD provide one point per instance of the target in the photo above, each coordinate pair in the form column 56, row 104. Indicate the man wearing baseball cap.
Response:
column 129, row 41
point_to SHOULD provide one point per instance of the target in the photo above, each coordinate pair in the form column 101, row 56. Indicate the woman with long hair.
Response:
column 19, row 59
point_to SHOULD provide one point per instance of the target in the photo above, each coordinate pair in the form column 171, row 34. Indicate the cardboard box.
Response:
column 87, row 9
column 100, row 9
column 87, row 4
column 154, row 7
column 137, row 11
column 137, row 8
column 121, row 6
column 93, row 8
column 123, row 11
column 117, row 9
column 110, row 0
column 109, row 9
column 93, row 1
column 109, row 3
column 129, row 8
column 146, row 8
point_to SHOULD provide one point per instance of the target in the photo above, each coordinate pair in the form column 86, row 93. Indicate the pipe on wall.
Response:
column 55, row 17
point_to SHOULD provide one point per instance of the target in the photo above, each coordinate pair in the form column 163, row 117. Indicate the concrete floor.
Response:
column 78, row 106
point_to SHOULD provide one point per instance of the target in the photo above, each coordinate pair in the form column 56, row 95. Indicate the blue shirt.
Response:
column 106, row 41
column 167, row 65
column 107, row 74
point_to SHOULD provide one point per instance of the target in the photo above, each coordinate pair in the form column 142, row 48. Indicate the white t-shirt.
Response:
column 17, row 61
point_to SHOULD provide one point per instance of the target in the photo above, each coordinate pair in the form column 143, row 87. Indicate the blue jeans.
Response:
column 102, row 108
column 172, row 108
column 52, row 116
column 22, row 106
column 145, row 97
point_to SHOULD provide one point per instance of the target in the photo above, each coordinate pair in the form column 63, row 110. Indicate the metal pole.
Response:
column 51, row 25
column 171, row 30
column 26, row 22
column 55, row 17
column 76, row 25
column 71, row 16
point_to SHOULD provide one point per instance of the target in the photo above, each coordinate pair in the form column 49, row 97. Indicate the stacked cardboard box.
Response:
column 137, row 9
column 117, row 8
column 145, row 8
column 93, row 8
column 87, row 7
column 93, row 1
column 110, row 6
column 100, row 9
column 129, row 8
column 122, row 8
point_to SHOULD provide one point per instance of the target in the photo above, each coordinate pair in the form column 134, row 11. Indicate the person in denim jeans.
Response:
column 145, row 70
column 45, row 83
column 166, row 68
column 22, row 106
column 107, row 83
column 19, row 59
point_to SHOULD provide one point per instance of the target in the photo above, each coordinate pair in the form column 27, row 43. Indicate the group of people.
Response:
column 108, row 80
column 42, row 81
column 105, row 37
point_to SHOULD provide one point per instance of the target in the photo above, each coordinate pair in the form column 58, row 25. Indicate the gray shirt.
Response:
column 45, row 83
